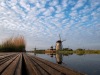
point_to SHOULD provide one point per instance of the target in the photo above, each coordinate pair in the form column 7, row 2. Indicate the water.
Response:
column 88, row 64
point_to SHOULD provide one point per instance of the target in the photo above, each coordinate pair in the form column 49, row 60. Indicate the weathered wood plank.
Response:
column 5, row 55
column 5, row 65
column 10, row 70
column 31, row 69
column 19, row 67
column 47, row 68
column 39, row 68
column 4, row 59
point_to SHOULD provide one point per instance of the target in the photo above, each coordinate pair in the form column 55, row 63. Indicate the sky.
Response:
column 41, row 22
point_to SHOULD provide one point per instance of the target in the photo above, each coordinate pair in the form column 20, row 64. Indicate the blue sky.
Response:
column 41, row 22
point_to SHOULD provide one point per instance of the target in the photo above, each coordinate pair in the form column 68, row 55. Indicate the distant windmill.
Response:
column 35, row 51
column 35, row 48
column 59, row 45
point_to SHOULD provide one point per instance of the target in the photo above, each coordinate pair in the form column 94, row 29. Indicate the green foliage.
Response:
column 39, row 51
column 78, row 51
column 92, row 52
column 69, row 52
column 67, row 49
column 83, row 51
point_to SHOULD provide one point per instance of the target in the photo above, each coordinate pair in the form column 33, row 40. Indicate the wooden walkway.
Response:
column 25, row 64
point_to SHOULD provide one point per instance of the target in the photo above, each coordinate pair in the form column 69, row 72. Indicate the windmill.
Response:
column 59, row 45
column 35, row 48
column 35, row 51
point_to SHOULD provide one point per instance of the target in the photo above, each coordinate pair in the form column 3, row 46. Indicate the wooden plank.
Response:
column 47, row 68
column 10, row 70
column 19, row 67
column 39, row 68
column 5, row 65
column 5, row 55
column 3, row 60
column 31, row 69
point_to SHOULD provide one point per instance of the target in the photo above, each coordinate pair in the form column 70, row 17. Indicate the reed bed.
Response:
column 15, row 44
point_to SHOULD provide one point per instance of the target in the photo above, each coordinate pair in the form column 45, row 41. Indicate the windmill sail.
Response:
column 59, row 37
column 63, row 40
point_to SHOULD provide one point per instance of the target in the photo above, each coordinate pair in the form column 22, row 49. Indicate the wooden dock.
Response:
column 25, row 64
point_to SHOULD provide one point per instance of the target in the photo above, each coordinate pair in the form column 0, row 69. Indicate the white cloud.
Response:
column 1, row 8
column 38, row 5
column 64, row 3
column 42, row 10
column 49, row 11
column 60, row 15
column 58, row 8
column 41, row 4
column 19, row 11
column 33, row 1
column 53, row 3
column 74, row 13
column 85, row 18
column 85, row 10
column 65, row 21
column 23, row 4
column 95, row 15
column 94, row 3
column 71, row 2
column 79, row 4
column 2, row 4
column 12, row 2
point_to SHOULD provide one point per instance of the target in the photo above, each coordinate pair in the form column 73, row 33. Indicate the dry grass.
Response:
column 16, row 44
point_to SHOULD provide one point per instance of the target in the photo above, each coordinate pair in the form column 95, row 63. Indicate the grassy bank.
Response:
column 79, row 51
column 70, row 52
column 39, row 51
column 65, row 52
column 16, row 44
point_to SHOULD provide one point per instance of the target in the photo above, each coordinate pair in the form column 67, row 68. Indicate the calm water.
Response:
column 89, row 64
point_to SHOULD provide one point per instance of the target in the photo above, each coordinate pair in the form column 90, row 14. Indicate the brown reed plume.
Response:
column 13, row 44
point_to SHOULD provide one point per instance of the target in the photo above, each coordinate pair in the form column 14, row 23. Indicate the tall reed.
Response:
column 13, row 44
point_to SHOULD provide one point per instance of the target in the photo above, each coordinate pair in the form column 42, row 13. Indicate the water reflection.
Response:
column 85, row 63
column 35, row 53
column 51, row 55
column 59, row 58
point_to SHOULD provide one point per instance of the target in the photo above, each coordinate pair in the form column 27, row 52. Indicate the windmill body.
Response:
column 58, row 45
